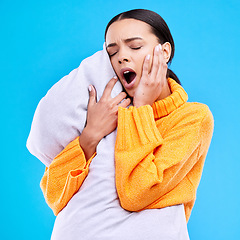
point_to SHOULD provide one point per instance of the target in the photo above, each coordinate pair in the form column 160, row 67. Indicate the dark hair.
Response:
column 158, row 26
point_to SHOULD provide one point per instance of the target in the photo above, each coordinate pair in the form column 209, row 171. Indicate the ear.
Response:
column 167, row 49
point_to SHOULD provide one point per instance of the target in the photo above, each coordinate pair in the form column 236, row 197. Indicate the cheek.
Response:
column 114, row 65
column 140, row 63
column 141, row 59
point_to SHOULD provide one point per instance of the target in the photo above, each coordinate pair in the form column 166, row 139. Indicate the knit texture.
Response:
column 64, row 176
column 159, row 156
column 160, row 152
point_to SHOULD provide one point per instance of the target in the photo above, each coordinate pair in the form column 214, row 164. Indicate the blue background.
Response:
column 41, row 41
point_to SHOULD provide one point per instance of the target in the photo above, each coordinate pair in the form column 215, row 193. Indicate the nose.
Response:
column 121, row 60
column 123, row 56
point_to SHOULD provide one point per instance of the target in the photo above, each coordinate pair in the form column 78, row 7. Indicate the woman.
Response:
column 161, row 145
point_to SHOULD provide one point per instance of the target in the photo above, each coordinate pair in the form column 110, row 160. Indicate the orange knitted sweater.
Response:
column 159, row 156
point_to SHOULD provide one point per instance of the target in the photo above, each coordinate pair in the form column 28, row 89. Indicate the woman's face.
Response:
column 128, row 42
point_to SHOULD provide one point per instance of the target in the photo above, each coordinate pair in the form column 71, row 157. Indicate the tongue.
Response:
column 130, row 76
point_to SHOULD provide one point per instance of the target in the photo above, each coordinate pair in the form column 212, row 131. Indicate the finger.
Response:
column 162, row 71
column 161, row 57
column 125, row 103
column 155, row 63
column 119, row 98
column 145, row 67
column 109, row 87
column 92, row 95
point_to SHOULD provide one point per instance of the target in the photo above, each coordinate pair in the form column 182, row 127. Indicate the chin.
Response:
column 130, row 93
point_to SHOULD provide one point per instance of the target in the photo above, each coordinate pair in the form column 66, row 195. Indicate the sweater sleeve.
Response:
column 63, row 178
column 151, row 165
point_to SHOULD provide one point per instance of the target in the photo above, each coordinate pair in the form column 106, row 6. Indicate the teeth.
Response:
column 126, row 72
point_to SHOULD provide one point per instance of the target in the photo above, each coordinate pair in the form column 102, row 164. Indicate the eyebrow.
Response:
column 125, row 40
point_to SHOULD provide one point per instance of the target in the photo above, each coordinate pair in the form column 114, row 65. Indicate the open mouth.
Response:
column 129, row 76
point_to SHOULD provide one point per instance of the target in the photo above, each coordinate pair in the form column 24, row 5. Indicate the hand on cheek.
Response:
column 151, row 83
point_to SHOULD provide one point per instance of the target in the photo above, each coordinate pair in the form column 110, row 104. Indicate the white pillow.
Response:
column 61, row 115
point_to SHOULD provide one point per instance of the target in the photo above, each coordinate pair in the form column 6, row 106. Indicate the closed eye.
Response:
column 110, row 55
column 135, row 48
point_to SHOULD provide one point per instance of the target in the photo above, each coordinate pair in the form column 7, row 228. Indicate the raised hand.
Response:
column 101, row 117
column 151, row 82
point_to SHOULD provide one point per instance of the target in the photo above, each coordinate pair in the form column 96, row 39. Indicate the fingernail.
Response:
column 115, row 77
column 89, row 88
column 148, row 57
column 160, row 46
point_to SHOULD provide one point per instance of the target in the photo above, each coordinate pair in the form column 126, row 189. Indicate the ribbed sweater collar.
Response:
column 167, row 105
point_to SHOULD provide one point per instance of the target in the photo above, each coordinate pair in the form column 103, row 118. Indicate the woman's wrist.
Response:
column 140, row 104
column 88, row 142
